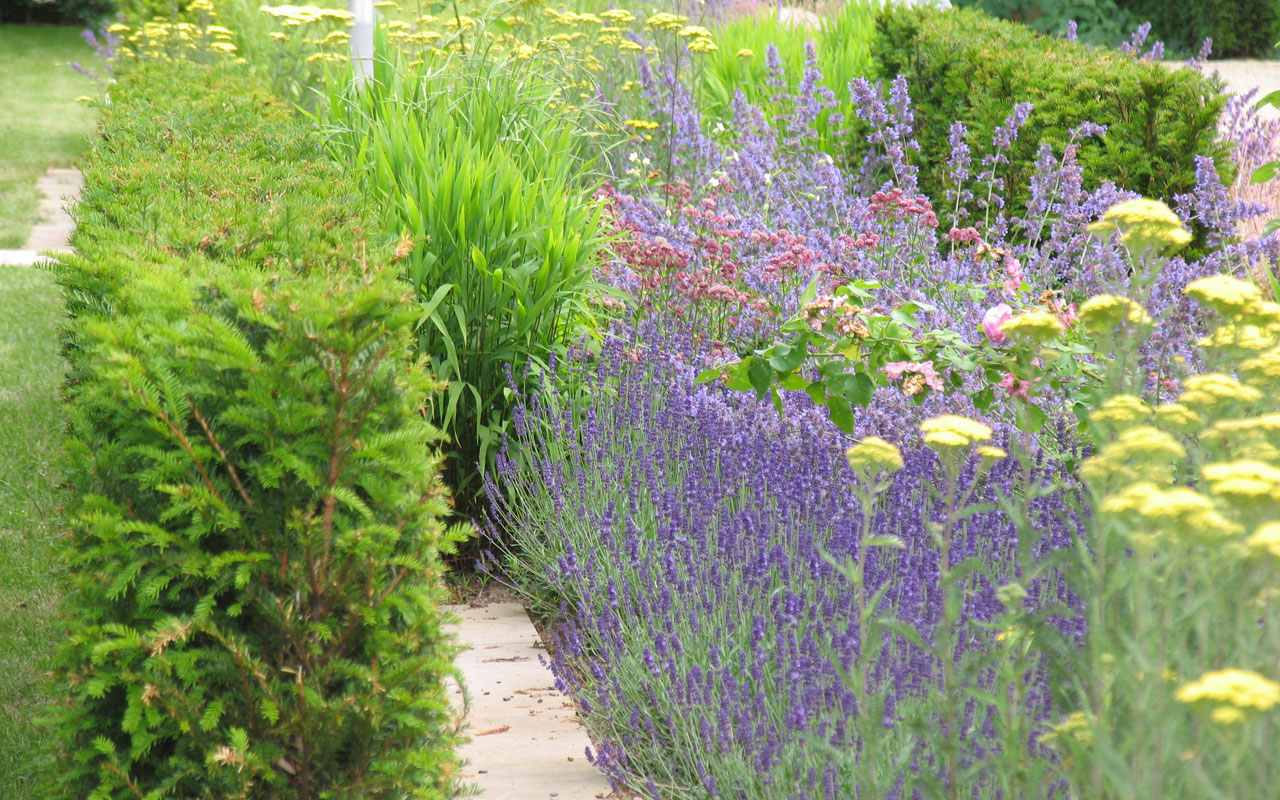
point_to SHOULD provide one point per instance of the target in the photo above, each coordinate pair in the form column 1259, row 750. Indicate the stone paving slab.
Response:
column 526, row 740
column 20, row 258
column 1243, row 75
column 59, row 189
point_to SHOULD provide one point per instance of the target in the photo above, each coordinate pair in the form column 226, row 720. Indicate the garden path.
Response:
column 58, row 189
column 526, row 740
column 1245, row 75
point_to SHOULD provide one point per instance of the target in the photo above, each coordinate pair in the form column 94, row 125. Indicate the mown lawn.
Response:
column 31, row 519
column 41, row 124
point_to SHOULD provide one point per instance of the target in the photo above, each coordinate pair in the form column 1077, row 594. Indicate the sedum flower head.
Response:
column 1105, row 311
column 1225, row 294
column 1232, row 691
column 1215, row 387
column 1120, row 411
column 874, row 453
column 951, row 430
column 1142, row 222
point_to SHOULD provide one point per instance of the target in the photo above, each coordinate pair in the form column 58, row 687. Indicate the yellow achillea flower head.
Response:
column 746, row 53
column 1225, row 294
column 1266, row 540
column 1190, row 512
column 991, row 452
column 1142, row 222
column 874, row 453
column 946, row 439
column 1144, row 442
column 1215, row 387
column 1037, row 325
column 1245, row 337
column 1232, row 692
column 1076, row 726
column 1244, row 480
column 702, row 45
column 1263, row 368
column 1106, row 311
column 1121, row 410
column 1133, row 497
column 1178, row 417
column 694, row 30
column 951, row 430
column 618, row 15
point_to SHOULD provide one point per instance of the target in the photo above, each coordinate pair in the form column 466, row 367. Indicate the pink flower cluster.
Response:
column 894, row 199
column 964, row 236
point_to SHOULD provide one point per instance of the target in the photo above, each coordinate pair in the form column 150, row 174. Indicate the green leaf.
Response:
column 859, row 389
column 1270, row 99
column 1030, row 417
column 760, row 374
column 841, row 413
column 738, row 379
column 784, row 357
column 709, row 375
column 1265, row 172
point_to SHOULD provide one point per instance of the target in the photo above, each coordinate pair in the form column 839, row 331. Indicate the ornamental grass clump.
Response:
column 1176, row 682
column 489, row 187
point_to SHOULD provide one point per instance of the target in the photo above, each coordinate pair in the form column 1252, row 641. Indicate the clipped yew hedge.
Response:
column 254, row 568
column 963, row 65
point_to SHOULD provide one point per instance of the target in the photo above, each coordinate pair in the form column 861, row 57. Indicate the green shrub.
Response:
column 61, row 11
column 489, row 180
column 254, row 565
column 1239, row 28
column 962, row 65
column 1100, row 22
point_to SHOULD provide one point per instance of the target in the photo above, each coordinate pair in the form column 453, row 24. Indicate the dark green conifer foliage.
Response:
column 254, row 568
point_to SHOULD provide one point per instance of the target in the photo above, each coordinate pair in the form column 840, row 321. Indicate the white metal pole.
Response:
column 362, row 38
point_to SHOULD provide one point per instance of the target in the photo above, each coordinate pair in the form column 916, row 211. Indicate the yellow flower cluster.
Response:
column 1036, row 325
column 872, row 455
column 1142, row 223
column 1218, row 504
column 1120, row 411
column 1230, row 694
column 1215, row 388
column 953, row 431
column 1105, row 312
column 304, row 15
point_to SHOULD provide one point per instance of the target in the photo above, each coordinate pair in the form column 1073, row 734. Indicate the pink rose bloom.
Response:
column 993, row 319
column 1015, row 387
column 924, row 369
column 1013, row 275
column 894, row 369
column 1069, row 317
